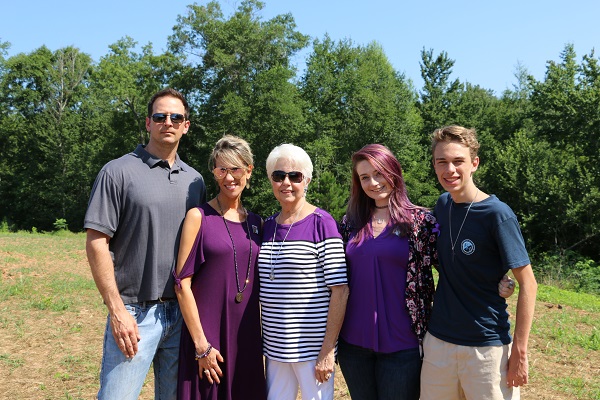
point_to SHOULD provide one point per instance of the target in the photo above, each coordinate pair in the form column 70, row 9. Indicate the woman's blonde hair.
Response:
column 232, row 150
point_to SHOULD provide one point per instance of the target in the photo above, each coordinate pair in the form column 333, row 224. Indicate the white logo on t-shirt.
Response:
column 467, row 246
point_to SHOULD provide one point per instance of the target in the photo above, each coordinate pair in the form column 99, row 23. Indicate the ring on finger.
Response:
column 207, row 372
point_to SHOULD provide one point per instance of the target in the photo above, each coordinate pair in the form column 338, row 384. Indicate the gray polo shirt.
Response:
column 141, row 202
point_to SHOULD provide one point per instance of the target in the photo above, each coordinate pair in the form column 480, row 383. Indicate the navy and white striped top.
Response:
column 295, row 303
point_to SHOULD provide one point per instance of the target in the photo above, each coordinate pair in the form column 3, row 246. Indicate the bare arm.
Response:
column 187, row 302
column 123, row 325
column 518, row 364
column 335, row 318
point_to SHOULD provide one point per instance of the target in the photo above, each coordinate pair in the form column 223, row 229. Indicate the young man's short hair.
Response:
column 455, row 133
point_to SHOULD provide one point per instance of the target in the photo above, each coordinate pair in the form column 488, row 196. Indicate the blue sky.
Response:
column 486, row 38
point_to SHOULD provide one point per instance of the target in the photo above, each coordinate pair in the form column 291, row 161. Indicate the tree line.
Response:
column 64, row 115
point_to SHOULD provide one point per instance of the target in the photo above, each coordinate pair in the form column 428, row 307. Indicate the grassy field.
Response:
column 52, row 319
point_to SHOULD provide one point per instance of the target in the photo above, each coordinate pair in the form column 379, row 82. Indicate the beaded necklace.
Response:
column 238, row 297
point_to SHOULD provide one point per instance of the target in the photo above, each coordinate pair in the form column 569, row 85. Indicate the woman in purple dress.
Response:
column 216, row 278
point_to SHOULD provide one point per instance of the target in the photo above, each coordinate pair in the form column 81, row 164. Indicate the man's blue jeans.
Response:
column 159, row 324
column 380, row 376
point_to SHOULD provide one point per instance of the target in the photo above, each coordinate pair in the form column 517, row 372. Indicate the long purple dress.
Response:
column 231, row 327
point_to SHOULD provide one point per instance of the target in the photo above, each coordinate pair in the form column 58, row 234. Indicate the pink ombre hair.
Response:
column 360, row 206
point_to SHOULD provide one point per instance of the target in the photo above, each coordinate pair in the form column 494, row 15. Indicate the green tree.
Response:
column 354, row 97
column 44, row 92
column 239, row 72
column 439, row 92
column 566, row 114
column 121, row 85
column 6, row 141
column 514, row 108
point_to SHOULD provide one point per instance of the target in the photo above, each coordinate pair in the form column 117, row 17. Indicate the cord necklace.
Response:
column 453, row 243
column 239, row 296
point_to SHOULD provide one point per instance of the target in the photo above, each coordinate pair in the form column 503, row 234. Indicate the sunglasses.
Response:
column 221, row 172
column 175, row 118
column 279, row 176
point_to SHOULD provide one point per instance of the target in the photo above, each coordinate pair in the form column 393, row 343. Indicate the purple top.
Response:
column 376, row 315
column 231, row 327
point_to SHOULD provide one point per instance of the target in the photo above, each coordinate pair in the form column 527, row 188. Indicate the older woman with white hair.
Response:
column 303, row 285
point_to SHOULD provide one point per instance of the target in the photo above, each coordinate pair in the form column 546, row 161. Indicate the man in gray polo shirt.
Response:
column 133, row 221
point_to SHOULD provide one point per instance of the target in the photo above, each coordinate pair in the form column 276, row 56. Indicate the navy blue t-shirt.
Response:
column 467, row 308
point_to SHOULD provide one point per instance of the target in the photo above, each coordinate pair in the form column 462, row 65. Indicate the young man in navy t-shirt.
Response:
column 468, row 351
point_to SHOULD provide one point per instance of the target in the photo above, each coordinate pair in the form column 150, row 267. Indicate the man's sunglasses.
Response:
column 279, row 176
column 175, row 118
column 221, row 173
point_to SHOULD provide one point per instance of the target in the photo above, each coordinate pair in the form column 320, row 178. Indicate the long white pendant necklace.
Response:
column 239, row 296
column 453, row 243
column 272, row 274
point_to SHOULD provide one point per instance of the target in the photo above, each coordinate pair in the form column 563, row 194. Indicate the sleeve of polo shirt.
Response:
column 104, row 206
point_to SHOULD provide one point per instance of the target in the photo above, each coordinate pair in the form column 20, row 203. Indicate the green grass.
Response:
column 583, row 301
column 569, row 334
column 578, row 327
column 10, row 362
column 46, row 282
column 57, row 293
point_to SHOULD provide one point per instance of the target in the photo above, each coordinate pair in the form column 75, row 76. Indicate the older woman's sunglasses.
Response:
column 279, row 176
column 175, row 118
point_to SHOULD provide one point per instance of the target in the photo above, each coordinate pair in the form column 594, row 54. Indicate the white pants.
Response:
column 283, row 380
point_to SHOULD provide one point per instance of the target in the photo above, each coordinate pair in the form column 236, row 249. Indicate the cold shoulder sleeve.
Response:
column 196, row 256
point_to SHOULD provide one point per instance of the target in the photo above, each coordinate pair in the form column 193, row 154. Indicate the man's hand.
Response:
column 518, row 365
column 506, row 287
column 126, row 333
column 518, row 370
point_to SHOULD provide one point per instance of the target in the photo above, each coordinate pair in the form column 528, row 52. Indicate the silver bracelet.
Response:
column 205, row 354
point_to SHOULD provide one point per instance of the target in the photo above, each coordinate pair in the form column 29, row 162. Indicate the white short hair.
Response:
column 295, row 155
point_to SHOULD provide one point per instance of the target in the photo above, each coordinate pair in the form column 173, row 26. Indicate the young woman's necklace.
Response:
column 379, row 220
column 238, row 297
column 453, row 243
column 272, row 274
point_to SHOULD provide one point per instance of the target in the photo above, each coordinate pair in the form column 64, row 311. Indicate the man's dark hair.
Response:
column 169, row 92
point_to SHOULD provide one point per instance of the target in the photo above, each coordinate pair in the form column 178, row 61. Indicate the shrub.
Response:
column 568, row 270
column 61, row 224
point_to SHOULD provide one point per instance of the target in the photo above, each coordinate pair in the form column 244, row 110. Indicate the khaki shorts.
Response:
column 453, row 372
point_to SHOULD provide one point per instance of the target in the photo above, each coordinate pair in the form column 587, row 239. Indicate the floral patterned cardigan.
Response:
column 422, row 255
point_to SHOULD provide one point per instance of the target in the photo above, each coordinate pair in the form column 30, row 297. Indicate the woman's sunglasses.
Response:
column 221, row 172
column 175, row 118
column 279, row 176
